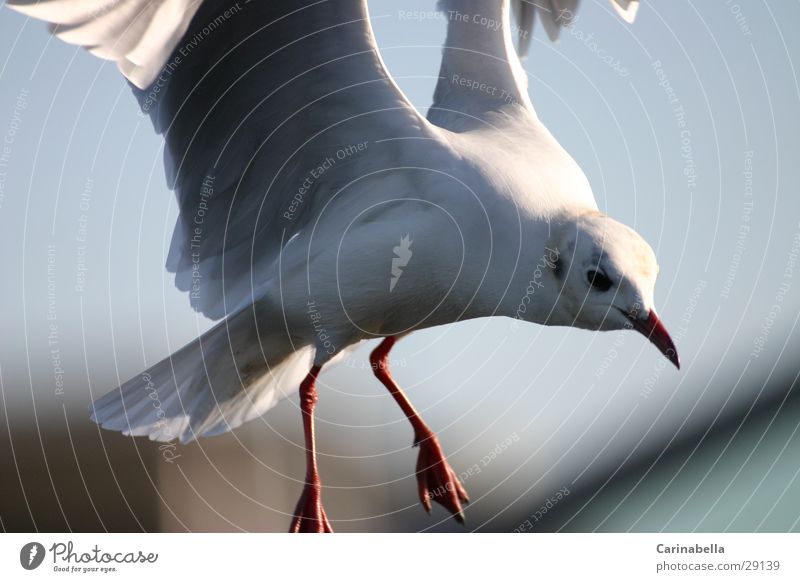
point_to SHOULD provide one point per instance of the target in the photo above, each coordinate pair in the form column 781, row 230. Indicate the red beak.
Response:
column 652, row 328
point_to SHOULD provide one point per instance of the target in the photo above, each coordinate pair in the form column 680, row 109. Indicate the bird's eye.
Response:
column 598, row 280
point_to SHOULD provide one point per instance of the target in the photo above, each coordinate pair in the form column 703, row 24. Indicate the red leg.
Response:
column 436, row 479
column 309, row 515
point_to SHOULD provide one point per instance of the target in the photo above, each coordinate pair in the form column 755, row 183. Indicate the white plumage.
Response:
column 299, row 166
column 555, row 15
column 138, row 34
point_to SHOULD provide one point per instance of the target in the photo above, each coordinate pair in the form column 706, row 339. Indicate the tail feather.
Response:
column 228, row 376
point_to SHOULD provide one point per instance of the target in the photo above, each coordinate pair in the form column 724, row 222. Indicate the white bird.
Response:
column 318, row 208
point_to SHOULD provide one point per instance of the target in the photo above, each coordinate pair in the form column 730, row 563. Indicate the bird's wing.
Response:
column 481, row 73
column 139, row 35
column 556, row 14
column 253, row 99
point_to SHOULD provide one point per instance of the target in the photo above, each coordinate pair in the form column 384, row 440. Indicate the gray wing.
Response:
column 251, row 99
column 481, row 80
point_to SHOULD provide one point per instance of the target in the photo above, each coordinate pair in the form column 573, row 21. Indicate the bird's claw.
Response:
column 309, row 515
column 436, row 479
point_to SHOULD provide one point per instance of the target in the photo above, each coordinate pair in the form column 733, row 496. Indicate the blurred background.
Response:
column 688, row 127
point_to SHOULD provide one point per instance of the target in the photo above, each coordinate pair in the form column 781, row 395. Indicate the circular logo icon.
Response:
column 31, row 555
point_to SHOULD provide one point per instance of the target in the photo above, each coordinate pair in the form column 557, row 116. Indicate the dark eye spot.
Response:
column 598, row 280
column 558, row 268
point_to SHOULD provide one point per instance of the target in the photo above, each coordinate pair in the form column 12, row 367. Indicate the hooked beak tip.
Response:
column 652, row 328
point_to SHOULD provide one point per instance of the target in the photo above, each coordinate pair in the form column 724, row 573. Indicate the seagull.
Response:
column 319, row 209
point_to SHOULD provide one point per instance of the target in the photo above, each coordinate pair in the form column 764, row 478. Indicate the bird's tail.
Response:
column 231, row 374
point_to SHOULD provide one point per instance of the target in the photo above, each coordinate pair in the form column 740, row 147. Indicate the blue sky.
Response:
column 686, row 123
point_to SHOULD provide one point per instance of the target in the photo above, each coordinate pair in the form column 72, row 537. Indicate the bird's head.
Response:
column 606, row 275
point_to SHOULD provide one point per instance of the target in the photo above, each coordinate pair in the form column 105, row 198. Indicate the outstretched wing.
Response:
column 481, row 75
column 252, row 97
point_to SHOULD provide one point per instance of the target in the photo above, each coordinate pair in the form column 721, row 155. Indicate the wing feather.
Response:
column 558, row 14
column 251, row 98
column 481, row 77
column 113, row 29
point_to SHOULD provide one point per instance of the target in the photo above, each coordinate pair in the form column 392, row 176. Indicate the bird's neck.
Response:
column 514, row 274
column 534, row 290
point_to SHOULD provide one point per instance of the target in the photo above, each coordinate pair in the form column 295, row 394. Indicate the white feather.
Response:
column 556, row 14
column 212, row 385
column 117, row 29
column 299, row 166
column 627, row 9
